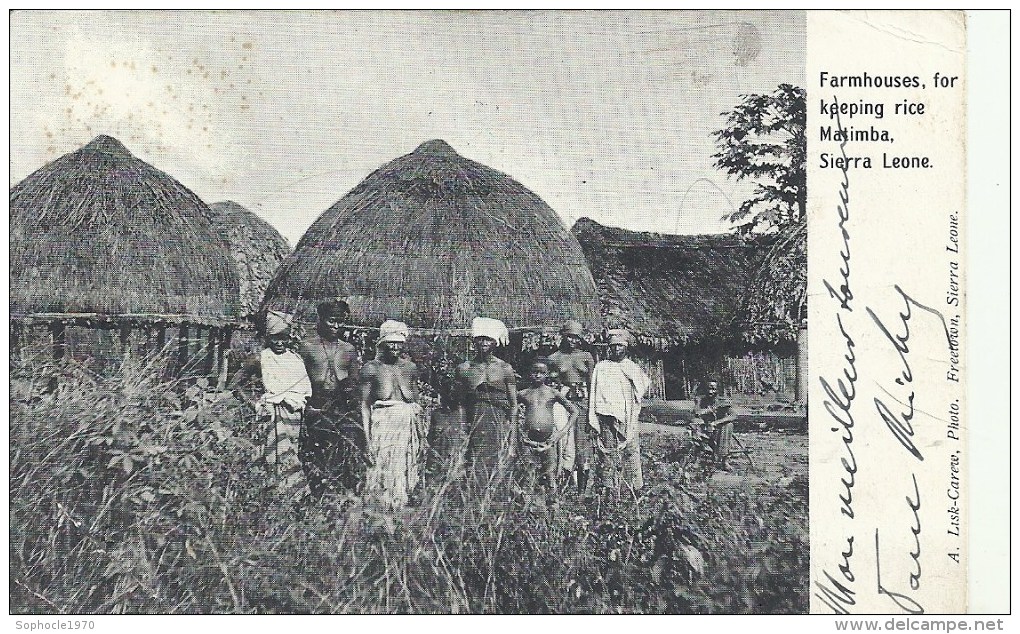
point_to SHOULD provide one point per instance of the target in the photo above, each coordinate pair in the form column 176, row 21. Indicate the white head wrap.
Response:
column 619, row 335
column 572, row 327
column 392, row 330
column 277, row 323
column 492, row 328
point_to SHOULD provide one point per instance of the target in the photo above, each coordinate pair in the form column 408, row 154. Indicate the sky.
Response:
column 607, row 115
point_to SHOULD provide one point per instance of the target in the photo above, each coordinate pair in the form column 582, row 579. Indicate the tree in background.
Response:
column 764, row 141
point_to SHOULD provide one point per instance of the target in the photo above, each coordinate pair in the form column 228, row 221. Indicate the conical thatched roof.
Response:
column 100, row 231
column 256, row 247
column 435, row 239
column 669, row 290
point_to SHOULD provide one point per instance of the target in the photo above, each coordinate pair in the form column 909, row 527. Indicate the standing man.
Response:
column 617, row 386
column 717, row 413
column 571, row 367
column 333, row 445
column 391, row 417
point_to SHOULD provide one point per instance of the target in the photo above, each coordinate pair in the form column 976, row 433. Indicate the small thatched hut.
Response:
column 685, row 299
column 101, row 239
column 255, row 246
column 435, row 239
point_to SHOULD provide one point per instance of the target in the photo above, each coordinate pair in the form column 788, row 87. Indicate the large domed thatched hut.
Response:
column 255, row 247
column 101, row 239
column 435, row 239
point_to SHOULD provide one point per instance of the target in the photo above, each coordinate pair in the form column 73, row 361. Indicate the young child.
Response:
column 539, row 444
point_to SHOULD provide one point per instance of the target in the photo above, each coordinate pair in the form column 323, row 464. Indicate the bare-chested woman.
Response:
column 333, row 442
column 486, row 387
column 391, row 417
column 571, row 367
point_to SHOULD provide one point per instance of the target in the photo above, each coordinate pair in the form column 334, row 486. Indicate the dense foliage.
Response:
column 134, row 495
column 764, row 141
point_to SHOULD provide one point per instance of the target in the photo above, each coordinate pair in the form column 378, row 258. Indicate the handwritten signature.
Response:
column 837, row 591
column 901, row 424
column 902, row 600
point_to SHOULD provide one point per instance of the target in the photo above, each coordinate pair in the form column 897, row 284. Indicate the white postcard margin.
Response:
column 886, row 122
column 988, row 385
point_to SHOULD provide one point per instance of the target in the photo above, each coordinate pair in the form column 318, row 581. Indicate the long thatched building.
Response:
column 685, row 298
column 256, row 248
column 101, row 239
column 434, row 239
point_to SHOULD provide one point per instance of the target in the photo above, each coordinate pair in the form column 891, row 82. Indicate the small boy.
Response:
column 540, row 455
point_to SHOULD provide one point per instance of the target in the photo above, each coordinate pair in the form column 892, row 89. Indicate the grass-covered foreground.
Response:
column 139, row 495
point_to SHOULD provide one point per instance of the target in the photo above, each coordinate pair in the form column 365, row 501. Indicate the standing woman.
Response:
column 333, row 440
column 572, row 367
column 391, row 417
column 486, row 388
column 285, row 388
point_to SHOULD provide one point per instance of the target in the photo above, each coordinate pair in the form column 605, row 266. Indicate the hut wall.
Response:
column 802, row 364
column 768, row 375
column 686, row 368
column 762, row 374
column 191, row 351
column 657, row 378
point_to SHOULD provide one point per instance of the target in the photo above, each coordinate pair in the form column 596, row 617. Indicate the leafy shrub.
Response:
column 140, row 495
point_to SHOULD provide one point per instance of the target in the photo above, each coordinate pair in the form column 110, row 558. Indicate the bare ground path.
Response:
column 777, row 456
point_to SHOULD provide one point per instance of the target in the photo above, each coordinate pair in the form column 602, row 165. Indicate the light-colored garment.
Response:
column 394, row 445
column 565, row 447
column 392, row 330
column 278, row 323
column 575, row 449
column 618, row 335
column 281, row 451
column 572, row 327
column 284, row 379
column 616, row 390
column 615, row 397
column 618, row 462
column 287, row 388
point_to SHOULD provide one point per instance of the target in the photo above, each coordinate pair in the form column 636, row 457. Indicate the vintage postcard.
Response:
column 488, row 312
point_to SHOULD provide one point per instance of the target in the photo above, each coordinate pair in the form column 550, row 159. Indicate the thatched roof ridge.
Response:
column 256, row 248
column 435, row 239
column 668, row 290
column 777, row 296
column 101, row 231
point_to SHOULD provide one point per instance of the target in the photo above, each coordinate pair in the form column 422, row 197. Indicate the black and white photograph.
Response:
column 415, row 312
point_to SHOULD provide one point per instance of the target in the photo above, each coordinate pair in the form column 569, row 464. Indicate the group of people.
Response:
column 337, row 424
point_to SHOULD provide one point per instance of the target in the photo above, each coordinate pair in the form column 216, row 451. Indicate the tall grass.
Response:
column 134, row 494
